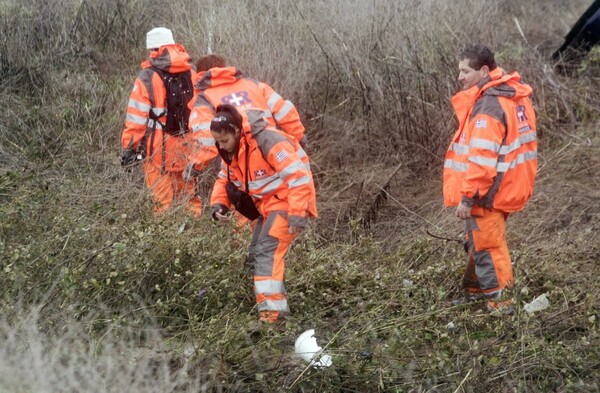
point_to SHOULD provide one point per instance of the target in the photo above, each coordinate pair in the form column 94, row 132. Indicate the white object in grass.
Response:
column 538, row 304
column 307, row 348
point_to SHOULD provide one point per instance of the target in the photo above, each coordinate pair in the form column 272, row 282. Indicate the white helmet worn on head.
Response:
column 158, row 37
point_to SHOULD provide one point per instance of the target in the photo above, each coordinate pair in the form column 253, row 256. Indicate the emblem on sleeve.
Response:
column 282, row 155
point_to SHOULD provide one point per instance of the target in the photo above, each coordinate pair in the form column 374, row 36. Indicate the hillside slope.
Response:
column 96, row 294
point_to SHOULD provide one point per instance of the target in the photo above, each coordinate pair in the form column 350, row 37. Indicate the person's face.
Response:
column 469, row 77
column 226, row 140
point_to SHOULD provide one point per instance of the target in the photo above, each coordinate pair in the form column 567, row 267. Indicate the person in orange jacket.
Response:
column 217, row 84
column 147, row 136
column 489, row 169
column 266, row 175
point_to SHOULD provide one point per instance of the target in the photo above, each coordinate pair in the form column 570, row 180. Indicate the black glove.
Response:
column 219, row 208
column 128, row 158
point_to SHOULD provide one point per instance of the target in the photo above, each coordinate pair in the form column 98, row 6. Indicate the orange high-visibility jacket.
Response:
column 227, row 85
column 149, row 94
column 279, row 176
column 492, row 160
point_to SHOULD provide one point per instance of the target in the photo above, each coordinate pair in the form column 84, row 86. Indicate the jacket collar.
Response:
column 464, row 100
column 217, row 76
column 169, row 58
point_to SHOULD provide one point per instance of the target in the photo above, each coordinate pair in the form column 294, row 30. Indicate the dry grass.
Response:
column 97, row 295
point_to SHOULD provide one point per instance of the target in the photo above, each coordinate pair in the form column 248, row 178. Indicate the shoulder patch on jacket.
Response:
column 267, row 139
column 489, row 105
column 145, row 76
column 256, row 119
column 205, row 82
column 202, row 100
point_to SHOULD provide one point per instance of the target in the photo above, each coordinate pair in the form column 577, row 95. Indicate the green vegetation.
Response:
column 96, row 294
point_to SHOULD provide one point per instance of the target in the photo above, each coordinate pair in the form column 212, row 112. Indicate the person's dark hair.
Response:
column 227, row 119
column 207, row 62
column 478, row 56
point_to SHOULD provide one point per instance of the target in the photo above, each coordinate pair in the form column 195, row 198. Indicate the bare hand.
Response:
column 463, row 211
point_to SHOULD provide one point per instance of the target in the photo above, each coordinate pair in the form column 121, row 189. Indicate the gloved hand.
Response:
column 219, row 211
column 128, row 157
column 190, row 172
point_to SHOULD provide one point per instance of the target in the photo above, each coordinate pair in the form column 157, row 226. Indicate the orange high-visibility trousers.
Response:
column 489, row 268
column 270, row 242
column 168, row 187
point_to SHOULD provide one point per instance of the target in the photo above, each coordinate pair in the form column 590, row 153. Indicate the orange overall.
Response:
column 166, row 155
column 277, row 172
column 490, row 166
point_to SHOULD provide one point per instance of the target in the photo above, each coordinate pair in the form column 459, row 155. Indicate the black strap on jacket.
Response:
column 242, row 201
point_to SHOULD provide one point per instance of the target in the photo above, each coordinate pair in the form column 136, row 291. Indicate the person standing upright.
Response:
column 156, row 124
column 489, row 169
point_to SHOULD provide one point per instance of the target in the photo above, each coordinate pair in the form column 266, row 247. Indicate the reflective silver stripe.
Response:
column 504, row 150
column 237, row 183
column 457, row 166
column 273, row 100
column 267, row 113
column 523, row 139
column 528, row 137
column 158, row 111
column 257, row 184
column 201, row 126
column 207, row 141
column 136, row 119
column 284, row 111
column 141, row 106
column 521, row 158
column 529, row 155
column 223, row 173
column 299, row 182
column 268, row 188
column 483, row 161
column 291, row 169
column 459, row 148
column 484, row 144
column 273, row 305
column 301, row 153
column 152, row 123
column 269, row 287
